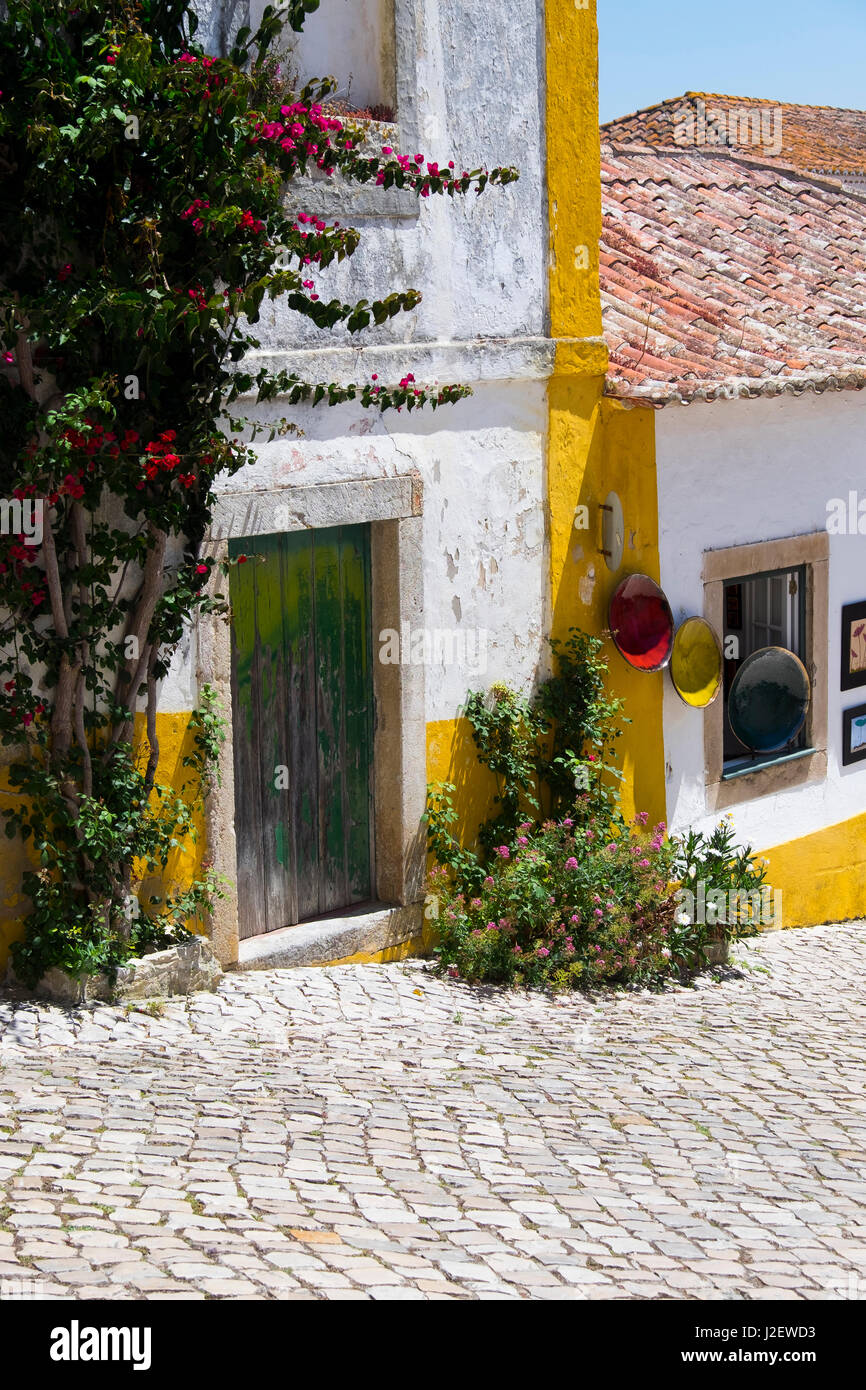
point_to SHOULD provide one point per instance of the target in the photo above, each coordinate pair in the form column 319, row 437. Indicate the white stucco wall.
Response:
column 481, row 265
column 463, row 94
column 734, row 473
column 481, row 465
column 349, row 40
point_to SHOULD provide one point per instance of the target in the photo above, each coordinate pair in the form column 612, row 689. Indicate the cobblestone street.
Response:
column 375, row 1131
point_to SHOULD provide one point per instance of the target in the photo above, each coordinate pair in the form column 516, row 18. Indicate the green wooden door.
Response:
column 302, row 694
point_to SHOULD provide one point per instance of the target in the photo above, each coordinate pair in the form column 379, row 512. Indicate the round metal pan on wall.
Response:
column 769, row 699
column 696, row 663
column 641, row 623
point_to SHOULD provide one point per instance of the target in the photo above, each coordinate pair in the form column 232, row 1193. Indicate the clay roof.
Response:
column 814, row 139
column 724, row 275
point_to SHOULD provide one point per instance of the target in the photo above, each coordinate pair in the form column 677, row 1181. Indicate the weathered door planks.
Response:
column 303, row 701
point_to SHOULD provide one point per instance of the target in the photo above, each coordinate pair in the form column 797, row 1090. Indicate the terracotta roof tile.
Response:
column 722, row 275
column 814, row 139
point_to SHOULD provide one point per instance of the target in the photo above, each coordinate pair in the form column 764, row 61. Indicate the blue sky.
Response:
column 808, row 51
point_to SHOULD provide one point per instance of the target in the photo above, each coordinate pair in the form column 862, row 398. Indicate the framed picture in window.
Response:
column 854, row 735
column 853, row 646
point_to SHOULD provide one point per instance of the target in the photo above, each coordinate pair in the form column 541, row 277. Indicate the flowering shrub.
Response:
column 581, row 899
column 562, row 907
column 722, row 884
column 574, row 904
column 143, row 225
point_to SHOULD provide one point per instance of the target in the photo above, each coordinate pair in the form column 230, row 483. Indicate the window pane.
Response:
column 760, row 611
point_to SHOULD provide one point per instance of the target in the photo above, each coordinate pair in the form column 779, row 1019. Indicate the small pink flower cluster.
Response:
column 187, row 58
column 253, row 224
column 291, row 137
column 193, row 211
column 27, row 717
column 315, row 256
column 415, row 168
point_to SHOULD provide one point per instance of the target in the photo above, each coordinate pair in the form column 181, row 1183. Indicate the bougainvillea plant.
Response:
column 143, row 223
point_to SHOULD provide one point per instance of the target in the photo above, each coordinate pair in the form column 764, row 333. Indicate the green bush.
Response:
column 581, row 899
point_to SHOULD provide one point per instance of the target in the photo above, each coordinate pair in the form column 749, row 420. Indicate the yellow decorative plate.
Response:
column 696, row 663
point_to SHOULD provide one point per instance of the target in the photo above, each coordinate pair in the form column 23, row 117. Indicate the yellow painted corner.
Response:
column 452, row 757
column 573, row 168
column 822, row 876
column 415, row 946
column 175, row 743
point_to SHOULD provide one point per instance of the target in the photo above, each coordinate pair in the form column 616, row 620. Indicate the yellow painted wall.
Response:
column 822, row 876
column 593, row 444
column 175, row 743
column 573, row 169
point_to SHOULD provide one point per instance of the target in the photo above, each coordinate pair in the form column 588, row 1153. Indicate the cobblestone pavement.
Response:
column 378, row 1132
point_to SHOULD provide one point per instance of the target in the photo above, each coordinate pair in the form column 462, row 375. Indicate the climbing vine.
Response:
column 143, row 226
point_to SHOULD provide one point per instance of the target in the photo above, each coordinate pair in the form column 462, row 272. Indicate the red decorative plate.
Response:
column 641, row 623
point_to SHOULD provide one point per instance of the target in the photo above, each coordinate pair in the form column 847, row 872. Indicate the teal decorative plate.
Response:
column 769, row 699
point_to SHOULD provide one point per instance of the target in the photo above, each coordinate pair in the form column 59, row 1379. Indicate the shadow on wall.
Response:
column 597, row 446
column 175, row 743
column 219, row 22
column 453, row 757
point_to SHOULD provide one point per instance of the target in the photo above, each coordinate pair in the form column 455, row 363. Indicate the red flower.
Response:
column 201, row 569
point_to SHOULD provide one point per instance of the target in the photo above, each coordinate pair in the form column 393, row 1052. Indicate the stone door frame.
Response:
column 393, row 507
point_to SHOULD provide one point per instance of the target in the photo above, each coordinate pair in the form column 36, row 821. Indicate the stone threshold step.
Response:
column 327, row 940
